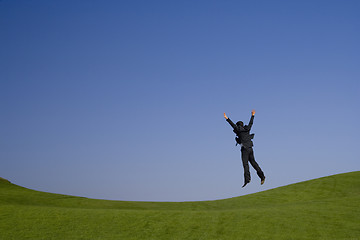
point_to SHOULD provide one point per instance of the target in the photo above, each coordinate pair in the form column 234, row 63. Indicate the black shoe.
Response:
column 245, row 184
column 262, row 181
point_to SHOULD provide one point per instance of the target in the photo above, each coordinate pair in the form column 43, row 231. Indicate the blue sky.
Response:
column 124, row 100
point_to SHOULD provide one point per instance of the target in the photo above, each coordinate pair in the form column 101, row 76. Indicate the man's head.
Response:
column 240, row 123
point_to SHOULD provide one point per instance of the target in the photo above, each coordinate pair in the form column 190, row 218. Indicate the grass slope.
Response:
column 324, row 208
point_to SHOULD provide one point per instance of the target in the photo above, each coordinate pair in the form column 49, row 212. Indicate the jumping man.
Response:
column 247, row 153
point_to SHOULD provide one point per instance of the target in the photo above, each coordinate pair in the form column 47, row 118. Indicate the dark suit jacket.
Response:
column 243, row 132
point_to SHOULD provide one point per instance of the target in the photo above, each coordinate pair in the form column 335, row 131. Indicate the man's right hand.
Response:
column 225, row 116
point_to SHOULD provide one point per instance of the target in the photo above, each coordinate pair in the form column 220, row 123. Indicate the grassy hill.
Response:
column 324, row 208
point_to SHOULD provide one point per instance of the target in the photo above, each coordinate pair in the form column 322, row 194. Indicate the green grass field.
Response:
column 324, row 208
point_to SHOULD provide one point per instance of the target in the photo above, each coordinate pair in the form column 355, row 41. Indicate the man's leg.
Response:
column 256, row 166
column 245, row 160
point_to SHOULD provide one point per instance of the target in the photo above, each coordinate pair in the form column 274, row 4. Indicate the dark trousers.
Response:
column 247, row 155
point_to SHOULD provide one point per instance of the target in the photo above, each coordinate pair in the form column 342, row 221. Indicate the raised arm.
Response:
column 251, row 119
column 230, row 122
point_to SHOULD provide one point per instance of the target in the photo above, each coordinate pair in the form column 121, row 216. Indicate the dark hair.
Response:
column 240, row 123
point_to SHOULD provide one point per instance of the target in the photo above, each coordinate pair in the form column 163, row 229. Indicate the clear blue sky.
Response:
column 124, row 99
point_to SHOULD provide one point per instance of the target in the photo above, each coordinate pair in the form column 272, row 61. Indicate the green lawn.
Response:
column 324, row 208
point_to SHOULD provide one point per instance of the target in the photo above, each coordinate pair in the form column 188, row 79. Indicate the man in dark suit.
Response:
column 244, row 138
